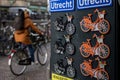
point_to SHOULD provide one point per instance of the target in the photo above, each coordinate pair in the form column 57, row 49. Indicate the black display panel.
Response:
column 101, row 28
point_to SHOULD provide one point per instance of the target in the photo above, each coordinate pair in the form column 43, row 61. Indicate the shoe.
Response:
column 36, row 63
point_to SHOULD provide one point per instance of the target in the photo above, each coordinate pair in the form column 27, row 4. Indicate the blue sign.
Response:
column 61, row 5
column 82, row 4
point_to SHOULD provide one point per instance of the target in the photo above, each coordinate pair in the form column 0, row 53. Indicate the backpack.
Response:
column 19, row 20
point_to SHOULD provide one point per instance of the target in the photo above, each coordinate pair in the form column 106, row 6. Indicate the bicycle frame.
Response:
column 60, row 68
column 69, row 17
column 88, row 48
column 59, row 25
column 58, row 47
column 10, row 56
column 70, row 48
column 14, row 50
column 24, row 47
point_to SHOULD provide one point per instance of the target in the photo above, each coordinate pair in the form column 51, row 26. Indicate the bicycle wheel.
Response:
column 83, row 53
column 70, row 28
column 70, row 48
column 15, row 68
column 42, row 54
column 82, row 66
column 104, row 26
column 102, row 75
column 83, row 26
column 104, row 51
column 70, row 72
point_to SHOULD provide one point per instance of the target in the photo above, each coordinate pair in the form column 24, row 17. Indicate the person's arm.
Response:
column 35, row 27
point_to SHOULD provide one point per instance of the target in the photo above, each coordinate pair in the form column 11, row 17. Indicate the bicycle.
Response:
column 21, row 52
column 100, row 49
column 99, row 72
column 61, row 68
column 100, row 24
column 6, row 39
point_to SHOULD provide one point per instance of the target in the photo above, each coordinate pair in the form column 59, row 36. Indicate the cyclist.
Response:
column 22, row 36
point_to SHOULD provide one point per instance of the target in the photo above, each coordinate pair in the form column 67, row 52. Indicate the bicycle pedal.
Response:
column 25, row 62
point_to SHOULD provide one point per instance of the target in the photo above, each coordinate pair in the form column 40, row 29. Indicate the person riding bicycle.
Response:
column 22, row 36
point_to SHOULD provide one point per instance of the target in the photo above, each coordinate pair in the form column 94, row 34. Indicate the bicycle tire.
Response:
column 83, row 53
column 70, row 29
column 104, row 26
column 42, row 54
column 71, row 72
column 82, row 66
column 84, row 27
column 14, row 60
column 70, row 48
column 106, row 52
column 102, row 75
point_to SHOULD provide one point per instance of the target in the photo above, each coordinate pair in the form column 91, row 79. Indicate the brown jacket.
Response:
column 23, row 35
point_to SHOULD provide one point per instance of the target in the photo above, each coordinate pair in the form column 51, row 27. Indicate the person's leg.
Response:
column 31, row 50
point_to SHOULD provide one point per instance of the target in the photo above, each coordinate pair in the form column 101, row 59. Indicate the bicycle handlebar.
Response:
column 34, row 34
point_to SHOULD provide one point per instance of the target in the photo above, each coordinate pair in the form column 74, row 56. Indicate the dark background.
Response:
column 111, row 39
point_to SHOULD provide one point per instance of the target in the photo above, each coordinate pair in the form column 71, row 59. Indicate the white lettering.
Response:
column 71, row 4
column 104, row 1
column 107, row 0
column 52, row 7
column 56, row 5
column 85, row 2
column 81, row 2
column 67, row 4
column 92, row 2
column 63, row 5
column 100, row 1
column 96, row 1
column 60, row 5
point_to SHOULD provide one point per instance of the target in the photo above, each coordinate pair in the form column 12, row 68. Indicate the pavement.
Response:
column 33, row 72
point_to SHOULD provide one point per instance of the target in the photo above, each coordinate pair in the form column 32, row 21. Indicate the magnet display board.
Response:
column 101, row 22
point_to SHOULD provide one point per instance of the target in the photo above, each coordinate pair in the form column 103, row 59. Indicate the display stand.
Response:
column 84, row 44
